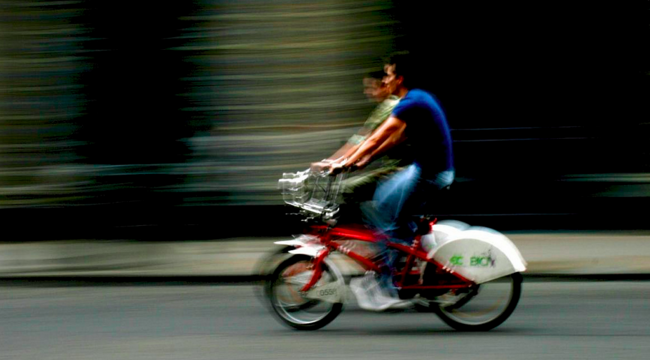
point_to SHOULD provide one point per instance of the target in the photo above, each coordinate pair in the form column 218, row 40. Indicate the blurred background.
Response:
column 175, row 121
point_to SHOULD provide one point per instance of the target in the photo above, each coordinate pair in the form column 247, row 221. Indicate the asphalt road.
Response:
column 560, row 320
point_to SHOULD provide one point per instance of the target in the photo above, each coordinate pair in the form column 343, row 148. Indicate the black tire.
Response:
column 289, row 313
column 461, row 319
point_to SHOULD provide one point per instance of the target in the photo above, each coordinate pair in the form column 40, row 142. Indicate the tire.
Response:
column 470, row 313
column 290, row 307
column 264, row 269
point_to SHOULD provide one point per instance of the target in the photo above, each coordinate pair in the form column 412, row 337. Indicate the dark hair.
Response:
column 375, row 74
column 404, row 66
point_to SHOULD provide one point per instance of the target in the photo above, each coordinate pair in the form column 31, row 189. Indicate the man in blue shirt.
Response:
column 419, row 121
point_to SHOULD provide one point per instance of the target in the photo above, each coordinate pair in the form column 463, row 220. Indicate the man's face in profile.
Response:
column 391, row 81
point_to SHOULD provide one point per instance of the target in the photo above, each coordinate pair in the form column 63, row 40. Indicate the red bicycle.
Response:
column 469, row 276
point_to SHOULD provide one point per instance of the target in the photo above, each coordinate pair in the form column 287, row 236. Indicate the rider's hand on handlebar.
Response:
column 320, row 166
column 340, row 167
column 336, row 168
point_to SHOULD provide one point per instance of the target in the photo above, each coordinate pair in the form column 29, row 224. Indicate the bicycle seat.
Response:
column 434, row 208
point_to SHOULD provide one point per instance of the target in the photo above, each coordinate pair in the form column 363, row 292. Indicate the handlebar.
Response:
column 314, row 192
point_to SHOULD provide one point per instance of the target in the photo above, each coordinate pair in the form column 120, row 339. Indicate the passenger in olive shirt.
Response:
column 361, row 186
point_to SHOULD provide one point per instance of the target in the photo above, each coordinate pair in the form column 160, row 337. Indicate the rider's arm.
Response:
column 340, row 153
column 388, row 135
column 350, row 146
column 379, row 116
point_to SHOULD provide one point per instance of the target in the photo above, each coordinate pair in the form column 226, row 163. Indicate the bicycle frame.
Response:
column 328, row 236
column 320, row 201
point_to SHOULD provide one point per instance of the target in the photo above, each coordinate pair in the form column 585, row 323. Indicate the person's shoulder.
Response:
column 415, row 97
column 425, row 98
column 392, row 99
column 390, row 102
column 421, row 95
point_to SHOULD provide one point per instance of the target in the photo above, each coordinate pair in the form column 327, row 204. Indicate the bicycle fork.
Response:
column 317, row 268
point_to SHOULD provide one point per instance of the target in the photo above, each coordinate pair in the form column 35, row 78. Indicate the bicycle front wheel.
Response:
column 292, row 306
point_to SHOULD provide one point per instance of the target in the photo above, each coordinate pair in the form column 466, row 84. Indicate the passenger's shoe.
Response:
column 372, row 296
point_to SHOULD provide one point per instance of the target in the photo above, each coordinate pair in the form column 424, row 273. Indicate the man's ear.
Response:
column 399, row 79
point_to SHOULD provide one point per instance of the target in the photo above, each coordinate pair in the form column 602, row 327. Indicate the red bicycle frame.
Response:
column 329, row 236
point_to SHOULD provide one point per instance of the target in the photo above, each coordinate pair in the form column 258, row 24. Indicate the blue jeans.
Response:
column 398, row 198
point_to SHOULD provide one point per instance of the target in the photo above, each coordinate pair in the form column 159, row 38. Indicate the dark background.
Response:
column 548, row 102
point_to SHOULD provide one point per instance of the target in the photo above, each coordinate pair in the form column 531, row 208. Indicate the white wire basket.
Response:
column 312, row 192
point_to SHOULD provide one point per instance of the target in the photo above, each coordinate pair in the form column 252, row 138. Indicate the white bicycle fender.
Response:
column 479, row 255
column 332, row 292
column 297, row 242
column 309, row 250
column 294, row 242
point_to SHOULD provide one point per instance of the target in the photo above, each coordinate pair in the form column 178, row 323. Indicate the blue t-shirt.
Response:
column 427, row 132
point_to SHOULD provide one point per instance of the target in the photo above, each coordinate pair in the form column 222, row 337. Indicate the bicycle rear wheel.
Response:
column 482, row 308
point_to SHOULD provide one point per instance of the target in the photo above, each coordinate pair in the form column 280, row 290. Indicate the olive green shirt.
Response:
column 376, row 118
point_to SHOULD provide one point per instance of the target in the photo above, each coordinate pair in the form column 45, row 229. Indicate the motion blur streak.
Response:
column 200, row 104
column 41, row 58
column 206, row 102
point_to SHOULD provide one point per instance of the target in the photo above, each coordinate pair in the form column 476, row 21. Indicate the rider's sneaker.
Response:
column 372, row 296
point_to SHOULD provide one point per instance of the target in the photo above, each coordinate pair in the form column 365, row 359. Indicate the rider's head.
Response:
column 399, row 68
column 373, row 86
